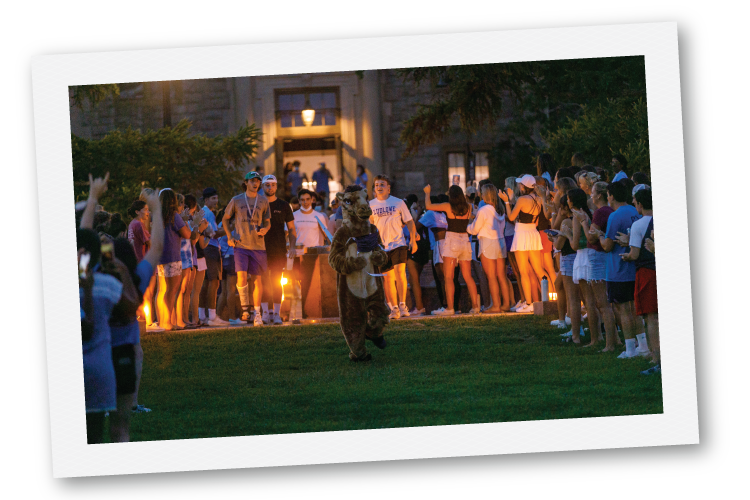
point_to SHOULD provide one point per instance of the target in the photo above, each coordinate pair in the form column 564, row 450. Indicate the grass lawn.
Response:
column 434, row 372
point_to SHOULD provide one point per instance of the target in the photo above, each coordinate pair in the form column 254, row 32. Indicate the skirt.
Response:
column 581, row 265
column 526, row 239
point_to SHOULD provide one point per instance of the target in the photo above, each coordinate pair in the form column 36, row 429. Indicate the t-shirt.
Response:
column 600, row 218
column 619, row 176
column 638, row 233
column 281, row 213
column 390, row 215
column 211, row 219
column 296, row 179
column 139, row 238
column 620, row 221
column 172, row 239
column 361, row 180
column 247, row 218
column 321, row 177
column 131, row 333
column 309, row 233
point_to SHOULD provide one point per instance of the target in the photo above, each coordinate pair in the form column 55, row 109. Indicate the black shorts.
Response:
column 423, row 253
column 123, row 357
column 396, row 256
column 620, row 292
column 213, row 263
column 276, row 260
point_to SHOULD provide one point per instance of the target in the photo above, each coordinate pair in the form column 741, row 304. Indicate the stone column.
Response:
column 372, row 137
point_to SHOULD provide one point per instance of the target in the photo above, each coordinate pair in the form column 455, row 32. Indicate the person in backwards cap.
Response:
column 252, row 215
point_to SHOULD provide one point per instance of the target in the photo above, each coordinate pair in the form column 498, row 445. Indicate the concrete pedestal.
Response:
column 548, row 308
column 318, row 282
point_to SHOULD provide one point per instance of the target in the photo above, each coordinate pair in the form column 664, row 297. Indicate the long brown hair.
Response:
column 457, row 200
column 168, row 200
column 490, row 192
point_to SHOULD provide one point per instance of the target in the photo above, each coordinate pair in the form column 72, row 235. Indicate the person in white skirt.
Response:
column 489, row 226
column 457, row 246
column 526, row 242
column 578, row 203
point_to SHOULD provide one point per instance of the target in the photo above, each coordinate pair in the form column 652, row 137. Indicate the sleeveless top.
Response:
column 645, row 258
column 527, row 218
column 457, row 225
column 567, row 249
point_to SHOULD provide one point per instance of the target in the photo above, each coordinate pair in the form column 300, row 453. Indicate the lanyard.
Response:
column 248, row 207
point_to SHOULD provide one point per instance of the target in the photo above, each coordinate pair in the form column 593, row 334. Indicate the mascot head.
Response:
column 354, row 204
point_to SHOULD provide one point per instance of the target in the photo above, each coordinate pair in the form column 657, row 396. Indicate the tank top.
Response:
column 528, row 218
column 567, row 249
column 645, row 258
column 457, row 225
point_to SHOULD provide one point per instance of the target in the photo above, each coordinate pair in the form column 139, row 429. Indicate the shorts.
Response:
column 276, row 260
column 457, row 246
column 620, row 292
column 437, row 252
column 566, row 264
column 597, row 265
column 645, row 292
column 546, row 243
column 422, row 255
column 253, row 262
column 213, row 262
column 169, row 270
column 492, row 248
column 201, row 264
column 227, row 265
column 581, row 265
column 396, row 256
column 123, row 357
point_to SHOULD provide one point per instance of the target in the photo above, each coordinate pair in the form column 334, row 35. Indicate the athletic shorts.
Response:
column 620, row 292
column 169, row 270
column 396, row 256
column 201, row 263
column 457, row 246
column 123, row 357
column 228, row 266
column 546, row 243
column 645, row 292
column 492, row 248
column 253, row 262
column 213, row 262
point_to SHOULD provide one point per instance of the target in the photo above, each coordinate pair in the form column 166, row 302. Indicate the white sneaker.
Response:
column 556, row 322
column 154, row 328
column 520, row 305
column 237, row 322
column 217, row 321
column 416, row 312
column 395, row 313
column 570, row 333
column 403, row 310
column 258, row 321
column 642, row 353
column 528, row 308
column 625, row 355
column 444, row 312
column 277, row 319
column 568, row 321
column 265, row 318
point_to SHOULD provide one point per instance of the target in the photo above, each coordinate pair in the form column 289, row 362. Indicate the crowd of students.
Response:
column 567, row 232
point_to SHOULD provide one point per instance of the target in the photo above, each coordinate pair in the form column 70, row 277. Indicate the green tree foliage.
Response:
column 542, row 98
column 93, row 93
column 168, row 157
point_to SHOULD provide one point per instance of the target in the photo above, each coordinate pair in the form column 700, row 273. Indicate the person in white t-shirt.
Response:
column 309, row 233
column 390, row 214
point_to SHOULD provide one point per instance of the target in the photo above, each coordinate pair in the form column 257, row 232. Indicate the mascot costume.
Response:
column 355, row 253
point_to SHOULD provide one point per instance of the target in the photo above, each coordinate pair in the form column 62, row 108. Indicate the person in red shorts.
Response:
column 646, row 304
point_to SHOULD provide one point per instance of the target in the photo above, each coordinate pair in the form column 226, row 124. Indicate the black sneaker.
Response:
column 380, row 342
column 366, row 357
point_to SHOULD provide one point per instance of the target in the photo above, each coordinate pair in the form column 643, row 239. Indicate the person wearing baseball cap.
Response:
column 276, row 249
column 527, row 244
column 252, row 221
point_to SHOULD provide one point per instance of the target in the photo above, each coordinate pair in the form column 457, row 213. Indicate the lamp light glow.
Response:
column 308, row 116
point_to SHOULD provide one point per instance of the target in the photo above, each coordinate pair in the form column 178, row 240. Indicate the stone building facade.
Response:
column 359, row 118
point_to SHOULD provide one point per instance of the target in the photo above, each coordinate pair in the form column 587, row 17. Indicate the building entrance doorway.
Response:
column 310, row 153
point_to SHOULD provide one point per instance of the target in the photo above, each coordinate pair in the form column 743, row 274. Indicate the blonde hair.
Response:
column 588, row 178
column 599, row 188
column 489, row 195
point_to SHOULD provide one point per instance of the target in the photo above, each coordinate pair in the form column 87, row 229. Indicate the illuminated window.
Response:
column 457, row 167
column 289, row 108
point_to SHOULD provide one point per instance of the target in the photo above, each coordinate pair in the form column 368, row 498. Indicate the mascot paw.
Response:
column 366, row 357
column 359, row 263
column 379, row 258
